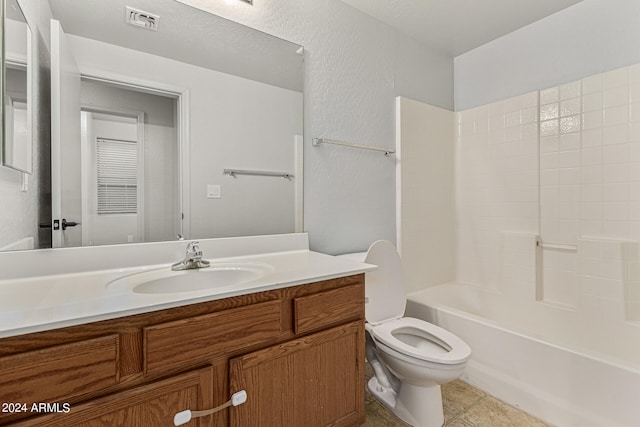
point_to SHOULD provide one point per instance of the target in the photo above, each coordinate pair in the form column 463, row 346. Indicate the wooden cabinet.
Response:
column 298, row 352
column 317, row 380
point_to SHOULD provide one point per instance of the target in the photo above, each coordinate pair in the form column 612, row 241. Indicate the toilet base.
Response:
column 415, row 405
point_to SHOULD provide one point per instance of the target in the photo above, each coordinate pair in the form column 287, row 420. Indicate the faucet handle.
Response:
column 193, row 251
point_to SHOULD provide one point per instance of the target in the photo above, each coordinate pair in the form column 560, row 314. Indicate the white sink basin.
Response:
column 167, row 281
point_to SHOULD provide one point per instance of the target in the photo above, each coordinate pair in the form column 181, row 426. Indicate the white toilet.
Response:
column 414, row 356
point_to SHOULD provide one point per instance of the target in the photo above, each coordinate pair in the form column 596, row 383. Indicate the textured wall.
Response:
column 585, row 39
column 354, row 68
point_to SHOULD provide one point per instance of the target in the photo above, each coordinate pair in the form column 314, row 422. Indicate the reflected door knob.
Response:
column 66, row 223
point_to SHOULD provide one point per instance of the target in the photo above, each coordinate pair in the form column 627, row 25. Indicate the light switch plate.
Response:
column 213, row 191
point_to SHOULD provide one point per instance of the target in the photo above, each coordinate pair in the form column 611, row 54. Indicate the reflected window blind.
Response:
column 117, row 163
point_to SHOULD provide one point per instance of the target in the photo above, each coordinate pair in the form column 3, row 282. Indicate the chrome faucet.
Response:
column 192, row 260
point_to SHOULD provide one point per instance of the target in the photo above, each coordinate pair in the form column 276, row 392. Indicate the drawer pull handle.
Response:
column 237, row 398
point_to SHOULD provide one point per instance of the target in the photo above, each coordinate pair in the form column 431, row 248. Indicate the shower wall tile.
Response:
column 558, row 283
column 592, row 103
column 563, row 162
column 518, row 264
column 609, row 271
column 549, row 95
column 592, row 138
column 570, row 90
column 632, row 280
column 570, row 124
column 497, row 183
column 560, row 156
column 615, row 134
column 615, row 78
column 616, row 97
column 602, row 266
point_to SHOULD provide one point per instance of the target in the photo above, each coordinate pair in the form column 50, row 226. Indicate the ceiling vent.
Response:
column 142, row 19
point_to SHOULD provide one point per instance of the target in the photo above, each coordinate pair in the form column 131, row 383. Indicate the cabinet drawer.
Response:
column 328, row 308
column 61, row 372
column 198, row 339
column 152, row 404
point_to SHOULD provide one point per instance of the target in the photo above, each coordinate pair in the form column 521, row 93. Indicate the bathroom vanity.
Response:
column 296, row 348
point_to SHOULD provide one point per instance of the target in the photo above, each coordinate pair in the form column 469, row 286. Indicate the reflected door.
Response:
column 66, row 204
column 112, row 178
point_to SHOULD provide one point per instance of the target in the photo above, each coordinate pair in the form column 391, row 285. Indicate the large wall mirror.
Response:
column 16, row 89
column 168, row 122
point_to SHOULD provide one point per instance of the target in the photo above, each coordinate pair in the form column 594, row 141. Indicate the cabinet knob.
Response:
column 183, row 417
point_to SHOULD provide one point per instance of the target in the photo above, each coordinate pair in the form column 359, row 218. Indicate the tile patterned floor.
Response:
column 464, row 406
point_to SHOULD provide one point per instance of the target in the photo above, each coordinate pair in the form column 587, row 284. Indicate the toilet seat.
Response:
column 442, row 346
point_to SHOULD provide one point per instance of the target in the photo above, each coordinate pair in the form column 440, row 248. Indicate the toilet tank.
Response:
column 385, row 298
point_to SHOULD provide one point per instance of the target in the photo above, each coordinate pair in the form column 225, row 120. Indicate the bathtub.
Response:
column 551, row 362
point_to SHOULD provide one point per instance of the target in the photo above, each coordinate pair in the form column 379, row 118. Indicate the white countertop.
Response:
column 34, row 304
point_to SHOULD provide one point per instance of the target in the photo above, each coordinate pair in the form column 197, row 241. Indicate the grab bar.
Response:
column 237, row 398
column 556, row 246
column 318, row 141
column 234, row 172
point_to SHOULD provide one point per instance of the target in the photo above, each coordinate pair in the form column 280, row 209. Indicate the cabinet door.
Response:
column 317, row 380
column 149, row 405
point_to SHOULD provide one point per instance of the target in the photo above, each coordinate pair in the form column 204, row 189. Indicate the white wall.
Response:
column 355, row 66
column 425, row 197
column 590, row 37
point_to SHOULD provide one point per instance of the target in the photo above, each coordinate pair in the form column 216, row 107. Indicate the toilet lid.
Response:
column 430, row 342
column 384, row 287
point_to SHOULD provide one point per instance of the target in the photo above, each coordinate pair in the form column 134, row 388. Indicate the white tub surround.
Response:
column 425, row 189
column 551, row 362
column 548, row 197
column 47, row 289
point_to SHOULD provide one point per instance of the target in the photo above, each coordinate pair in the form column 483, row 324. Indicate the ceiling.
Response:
column 457, row 26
